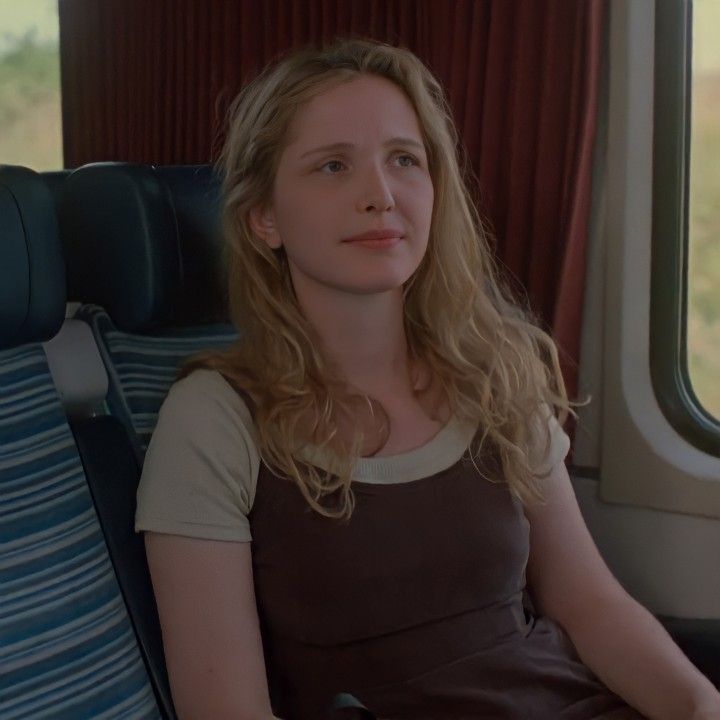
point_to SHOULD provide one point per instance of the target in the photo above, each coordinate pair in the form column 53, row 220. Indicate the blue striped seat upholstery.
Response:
column 143, row 367
column 67, row 648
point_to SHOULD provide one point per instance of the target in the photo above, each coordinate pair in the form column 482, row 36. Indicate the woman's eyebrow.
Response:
column 349, row 146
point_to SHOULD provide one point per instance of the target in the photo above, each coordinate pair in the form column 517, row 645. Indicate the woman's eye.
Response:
column 413, row 161
column 331, row 162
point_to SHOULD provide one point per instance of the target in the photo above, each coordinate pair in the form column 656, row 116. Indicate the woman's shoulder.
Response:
column 200, row 471
column 203, row 410
column 203, row 381
column 205, row 390
column 550, row 443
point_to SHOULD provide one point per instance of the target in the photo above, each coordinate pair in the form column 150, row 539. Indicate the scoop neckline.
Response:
column 437, row 437
column 442, row 451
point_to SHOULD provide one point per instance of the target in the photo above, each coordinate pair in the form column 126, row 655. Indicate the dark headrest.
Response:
column 143, row 242
column 54, row 179
column 32, row 271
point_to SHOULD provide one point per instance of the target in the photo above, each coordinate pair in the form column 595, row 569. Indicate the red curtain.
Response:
column 150, row 82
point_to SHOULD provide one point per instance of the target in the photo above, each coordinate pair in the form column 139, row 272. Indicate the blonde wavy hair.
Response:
column 496, row 367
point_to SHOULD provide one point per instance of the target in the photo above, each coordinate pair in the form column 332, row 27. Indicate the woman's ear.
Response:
column 262, row 222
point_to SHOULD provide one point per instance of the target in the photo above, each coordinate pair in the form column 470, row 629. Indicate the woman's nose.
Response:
column 376, row 192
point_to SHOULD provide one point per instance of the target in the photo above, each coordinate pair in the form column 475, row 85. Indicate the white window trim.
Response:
column 643, row 460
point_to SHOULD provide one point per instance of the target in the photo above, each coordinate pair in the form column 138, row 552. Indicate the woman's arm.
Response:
column 618, row 639
column 636, row 658
column 213, row 649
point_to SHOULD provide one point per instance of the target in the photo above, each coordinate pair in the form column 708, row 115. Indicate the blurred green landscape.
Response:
column 31, row 135
column 30, row 120
column 703, row 328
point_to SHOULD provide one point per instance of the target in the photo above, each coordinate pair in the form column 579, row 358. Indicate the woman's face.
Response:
column 322, row 196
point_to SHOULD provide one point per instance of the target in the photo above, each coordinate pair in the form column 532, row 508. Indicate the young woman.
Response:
column 352, row 498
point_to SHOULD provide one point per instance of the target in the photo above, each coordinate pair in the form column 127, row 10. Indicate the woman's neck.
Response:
column 364, row 336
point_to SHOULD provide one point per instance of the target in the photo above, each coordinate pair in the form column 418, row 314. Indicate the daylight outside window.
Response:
column 703, row 321
column 30, row 119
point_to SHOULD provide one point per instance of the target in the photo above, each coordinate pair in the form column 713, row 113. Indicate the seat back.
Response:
column 144, row 269
column 145, row 262
column 67, row 646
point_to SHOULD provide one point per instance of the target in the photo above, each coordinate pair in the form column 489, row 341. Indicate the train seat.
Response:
column 144, row 260
column 68, row 648
column 55, row 180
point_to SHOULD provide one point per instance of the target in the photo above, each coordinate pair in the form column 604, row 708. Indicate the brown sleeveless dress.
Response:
column 415, row 606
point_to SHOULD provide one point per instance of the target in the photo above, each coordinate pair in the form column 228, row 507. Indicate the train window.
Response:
column 659, row 442
column 703, row 312
column 30, row 85
column 685, row 314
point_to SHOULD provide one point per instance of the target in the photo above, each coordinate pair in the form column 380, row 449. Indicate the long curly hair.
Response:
column 496, row 367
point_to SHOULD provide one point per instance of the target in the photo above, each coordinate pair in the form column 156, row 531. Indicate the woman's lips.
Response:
column 384, row 238
column 377, row 244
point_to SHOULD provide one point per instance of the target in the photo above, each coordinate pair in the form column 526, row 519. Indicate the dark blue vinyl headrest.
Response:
column 144, row 243
column 32, row 271
column 55, row 179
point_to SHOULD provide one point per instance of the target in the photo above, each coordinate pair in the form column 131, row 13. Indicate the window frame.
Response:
column 645, row 460
column 670, row 239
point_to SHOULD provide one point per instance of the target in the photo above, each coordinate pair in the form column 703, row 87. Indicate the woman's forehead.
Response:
column 348, row 112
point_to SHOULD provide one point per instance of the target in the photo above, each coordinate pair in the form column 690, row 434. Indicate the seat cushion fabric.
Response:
column 141, row 368
column 67, row 648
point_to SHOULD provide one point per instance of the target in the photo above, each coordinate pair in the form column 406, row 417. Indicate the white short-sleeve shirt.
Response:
column 202, row 464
